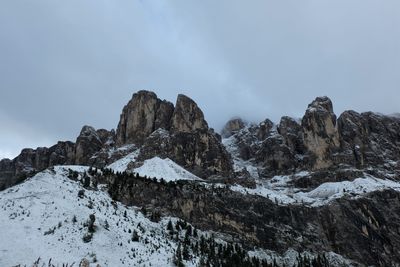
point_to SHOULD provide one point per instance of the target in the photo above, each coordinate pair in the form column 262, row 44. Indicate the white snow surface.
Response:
column 164, row 168
column 122, row 164
column 49, row 201
column 278, row 190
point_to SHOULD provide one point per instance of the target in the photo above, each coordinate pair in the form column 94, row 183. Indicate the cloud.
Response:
column 66, row 64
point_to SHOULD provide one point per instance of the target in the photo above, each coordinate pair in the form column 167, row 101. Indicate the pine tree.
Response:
column 170, row 228
column 91, row 227
column 135, row 236
column 178, row 257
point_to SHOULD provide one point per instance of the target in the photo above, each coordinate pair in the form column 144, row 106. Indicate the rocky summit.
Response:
column 320, row 190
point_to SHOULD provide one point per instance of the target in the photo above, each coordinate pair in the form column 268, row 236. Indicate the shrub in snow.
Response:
column 81, row 193
column 87, row 237
column 91, row 226
column 84, row 263
column 135, row 236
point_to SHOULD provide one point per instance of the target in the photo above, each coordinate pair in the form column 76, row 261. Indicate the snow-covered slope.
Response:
column 122, row 164
column 164, row 168
column 44, row 217
column 279, row 190
column 48, row 216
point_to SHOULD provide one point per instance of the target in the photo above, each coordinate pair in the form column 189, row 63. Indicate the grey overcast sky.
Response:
column 64, row 64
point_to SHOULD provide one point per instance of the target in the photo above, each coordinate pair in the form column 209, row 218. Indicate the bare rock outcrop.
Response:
column 30, row 161
column 187, row 116
column 292, row 133
column 180, row 133
column 369, row 138
column 232, row 126
column 87, row 143
column 264, row 129
column 276, row 157
column 321, row 137
column 141, row 116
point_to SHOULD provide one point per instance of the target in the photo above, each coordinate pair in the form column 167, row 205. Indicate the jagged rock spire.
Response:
column 187, row 116
column 144, row 113
column 321, row 137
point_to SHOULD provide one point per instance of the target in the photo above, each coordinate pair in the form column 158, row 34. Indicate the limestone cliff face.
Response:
column 141, row 116
column 363, row 229
column 321, row 137
column 369, row 138
column 187, row 116
column 180, row 133
column 33, row 160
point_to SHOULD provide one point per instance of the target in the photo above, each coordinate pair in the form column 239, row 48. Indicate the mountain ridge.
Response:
column 318, row 141
column 319, row 184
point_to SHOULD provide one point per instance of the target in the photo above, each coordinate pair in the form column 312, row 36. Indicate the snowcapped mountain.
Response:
column 317, row 191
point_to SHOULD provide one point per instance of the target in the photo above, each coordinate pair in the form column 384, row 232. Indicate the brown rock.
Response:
column 264, row 129
column 87, row 143
column 232, row 127
column 141, row 116
column 321, row 137
column 292, row 134
column 187, row 116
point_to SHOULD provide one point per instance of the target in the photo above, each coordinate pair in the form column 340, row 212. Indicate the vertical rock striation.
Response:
column 143, row 114
column 321, row 137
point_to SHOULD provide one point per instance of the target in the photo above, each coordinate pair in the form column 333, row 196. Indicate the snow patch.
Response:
column 122, row 164
column 164, row 168
column 278, row 189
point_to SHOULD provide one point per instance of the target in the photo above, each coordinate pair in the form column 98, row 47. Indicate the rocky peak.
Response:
column 288, row 125
column 292, row 133
column 87, row 143
column 322, row 103
column 144, row 113
column 320, row 132
column 89, row 132
column 264, row 129
column 106, row 137
column 187, row 116
column 232, row 126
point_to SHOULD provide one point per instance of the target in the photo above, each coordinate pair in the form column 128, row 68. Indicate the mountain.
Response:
column 53, row 218
column 321, row 188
